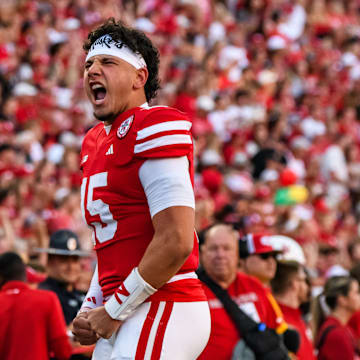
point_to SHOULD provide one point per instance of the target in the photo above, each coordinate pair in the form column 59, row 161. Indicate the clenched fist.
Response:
column 101, row 322
column 82, row 330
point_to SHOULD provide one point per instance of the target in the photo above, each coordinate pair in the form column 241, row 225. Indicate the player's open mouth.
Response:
column 99, row 93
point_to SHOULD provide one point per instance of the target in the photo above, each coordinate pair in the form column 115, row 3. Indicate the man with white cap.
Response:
column 259, row 256
column 137, row 195
column 259, row 253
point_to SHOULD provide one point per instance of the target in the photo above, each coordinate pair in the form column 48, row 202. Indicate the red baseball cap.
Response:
column 252, row 244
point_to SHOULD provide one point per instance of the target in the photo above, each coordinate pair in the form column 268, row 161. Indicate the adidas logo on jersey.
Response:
column 110, row 150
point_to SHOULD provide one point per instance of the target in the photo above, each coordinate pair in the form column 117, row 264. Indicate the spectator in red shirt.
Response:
column 291, row 290
column 32, row 325
column 259, row 257
column 220, row 257
column 332, row 311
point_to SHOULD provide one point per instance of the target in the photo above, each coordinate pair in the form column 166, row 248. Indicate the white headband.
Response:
column 106, row 45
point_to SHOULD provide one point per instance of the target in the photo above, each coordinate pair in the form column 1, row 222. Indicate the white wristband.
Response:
column 130, row 294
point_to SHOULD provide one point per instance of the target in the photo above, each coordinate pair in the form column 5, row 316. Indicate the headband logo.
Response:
column 107, row 41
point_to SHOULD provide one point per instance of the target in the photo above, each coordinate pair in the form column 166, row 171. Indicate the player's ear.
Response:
column 141, row 78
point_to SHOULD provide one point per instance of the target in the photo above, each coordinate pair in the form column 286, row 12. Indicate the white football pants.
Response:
column 159, row 331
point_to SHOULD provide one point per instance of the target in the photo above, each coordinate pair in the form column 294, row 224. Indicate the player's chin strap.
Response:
column 129, row 295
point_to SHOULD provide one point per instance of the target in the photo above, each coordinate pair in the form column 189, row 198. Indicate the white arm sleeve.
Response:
column 94, row 296
column 167, row 183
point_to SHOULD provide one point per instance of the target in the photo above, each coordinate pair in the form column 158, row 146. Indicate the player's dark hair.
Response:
column 12, row 267
column 138, row 42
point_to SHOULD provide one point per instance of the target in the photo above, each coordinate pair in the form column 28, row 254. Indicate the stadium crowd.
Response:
column 272, row 88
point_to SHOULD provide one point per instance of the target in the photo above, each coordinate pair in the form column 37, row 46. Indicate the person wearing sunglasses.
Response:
column 258, row 257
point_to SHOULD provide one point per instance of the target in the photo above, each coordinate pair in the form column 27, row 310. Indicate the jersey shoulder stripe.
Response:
column 156, row 115
column 163, row 126
column 163, row 132
column 162, row 141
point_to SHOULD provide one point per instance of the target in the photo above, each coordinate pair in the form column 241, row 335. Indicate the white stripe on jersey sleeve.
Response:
column 164, row 126
column 162, row 141
column 167, row 183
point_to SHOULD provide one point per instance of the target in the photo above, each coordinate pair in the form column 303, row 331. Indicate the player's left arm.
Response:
column 170, row 247
column 170, row 197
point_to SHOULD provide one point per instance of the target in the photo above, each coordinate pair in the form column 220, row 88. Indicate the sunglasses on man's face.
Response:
column 266, row 256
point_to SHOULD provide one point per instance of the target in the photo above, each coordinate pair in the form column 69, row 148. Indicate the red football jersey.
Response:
column 252, row 298
column 114, row 202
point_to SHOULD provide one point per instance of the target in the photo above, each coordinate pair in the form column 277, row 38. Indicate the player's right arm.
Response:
column 81, row 327
column 94, row 296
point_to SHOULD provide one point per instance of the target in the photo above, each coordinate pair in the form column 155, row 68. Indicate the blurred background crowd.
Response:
column 272, row 88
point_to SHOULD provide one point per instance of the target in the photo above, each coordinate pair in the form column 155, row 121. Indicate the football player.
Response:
column 137, row 195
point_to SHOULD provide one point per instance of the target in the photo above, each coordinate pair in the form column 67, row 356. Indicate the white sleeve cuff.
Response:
column 94, row 296
column 167, row 183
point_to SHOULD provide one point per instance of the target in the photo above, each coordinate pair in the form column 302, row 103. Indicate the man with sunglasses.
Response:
column 258, row 257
